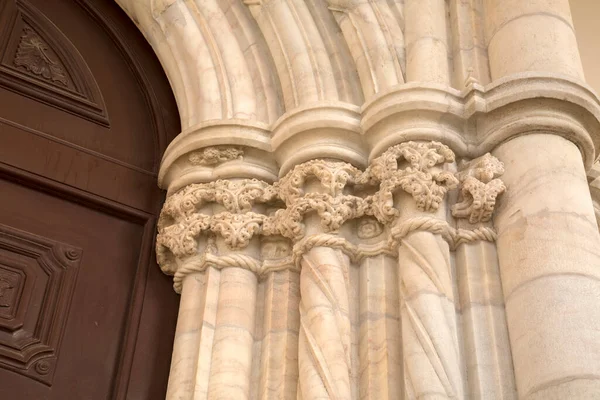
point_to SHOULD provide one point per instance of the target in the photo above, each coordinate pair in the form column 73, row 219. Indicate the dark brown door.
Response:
column 85, row 114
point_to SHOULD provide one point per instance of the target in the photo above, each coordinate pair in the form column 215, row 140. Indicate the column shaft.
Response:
column 429, row 320
column 279, row 362
column 325, row 334
column 549, row 252
column 192, row 348
column 380, row 341
column 426, row 41
column 485, row 335
column 234, row 336
column 531, row 36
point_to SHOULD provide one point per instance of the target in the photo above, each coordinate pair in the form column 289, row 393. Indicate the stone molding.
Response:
column 351, row 89
column 290, row 81
column 236, row 210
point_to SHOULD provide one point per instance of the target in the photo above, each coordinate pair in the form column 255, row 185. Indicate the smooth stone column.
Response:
column 231, row 372
column 426, row 41
column 549, row 253
column 531, row 36
column 192, row 349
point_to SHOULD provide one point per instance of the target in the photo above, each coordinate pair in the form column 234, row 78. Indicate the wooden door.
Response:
column 85, row 114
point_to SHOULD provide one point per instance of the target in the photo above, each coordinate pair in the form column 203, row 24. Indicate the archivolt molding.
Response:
column 295, row 80
column 237, row 211
column 374, row 32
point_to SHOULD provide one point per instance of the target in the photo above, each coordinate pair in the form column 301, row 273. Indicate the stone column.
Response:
column 547, row 235
column 431, row 349
column 207, row 241
column 544, row 32
column 481, row 303
column 548, row 246
column 316, row 209
column 426, row 41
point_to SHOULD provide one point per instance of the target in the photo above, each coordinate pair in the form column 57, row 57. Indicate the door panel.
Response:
column 85, row 115
column 77, row 166
column 86, row 329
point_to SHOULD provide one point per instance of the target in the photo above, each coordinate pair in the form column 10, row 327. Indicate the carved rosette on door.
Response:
column 38, row 61
column 371, row 256
column 37, row 278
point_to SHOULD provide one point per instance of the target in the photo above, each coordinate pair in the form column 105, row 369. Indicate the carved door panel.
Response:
column 85, row 114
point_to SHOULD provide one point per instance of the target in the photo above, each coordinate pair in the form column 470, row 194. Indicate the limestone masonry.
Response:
column 379, row 199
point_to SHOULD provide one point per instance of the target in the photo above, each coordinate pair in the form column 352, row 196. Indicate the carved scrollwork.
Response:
column 328, row 200
column 417, row 175
column 182, row 219
column 479, row 188
column 368, row 228
column 333, row 212
column 236, row 196
column 321, row 188
column 237, row 229
column 215, row 155
column 333, row 176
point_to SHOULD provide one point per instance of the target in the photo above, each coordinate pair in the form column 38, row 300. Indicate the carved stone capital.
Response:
column 410, row 166
column 236, row 196
column 237, row 229
column 324, row 189
column 327, row 199
column 332, row 211
column 479, row 188
column 185, row 217
column 334, row 178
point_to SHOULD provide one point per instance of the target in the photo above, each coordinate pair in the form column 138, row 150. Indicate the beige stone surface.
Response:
column 379, row 199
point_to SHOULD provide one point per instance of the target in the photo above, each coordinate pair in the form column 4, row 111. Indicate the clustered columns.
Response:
column 331, row 283
column 378, row 199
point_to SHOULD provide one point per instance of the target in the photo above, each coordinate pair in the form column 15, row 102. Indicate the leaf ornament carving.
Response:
column 183, row 218
column 235, row 195
column 237, row 229
column 333, row 176
column 410, row 166
column 332, row 211
column 240, row 196
column 215, row 155
column 179, row 240
column 480, row 188
column 33, row 54
column 328, row 200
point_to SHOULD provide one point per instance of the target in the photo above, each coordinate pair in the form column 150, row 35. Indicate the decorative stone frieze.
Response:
column 411, row 166
column 215, row 155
